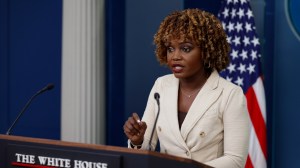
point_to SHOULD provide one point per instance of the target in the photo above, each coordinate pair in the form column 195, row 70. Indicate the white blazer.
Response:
column 216, row 128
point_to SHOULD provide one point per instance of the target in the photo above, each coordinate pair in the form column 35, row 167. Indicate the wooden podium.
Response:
column 16, row 151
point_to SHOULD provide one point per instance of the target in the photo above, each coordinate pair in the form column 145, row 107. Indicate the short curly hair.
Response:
column 201, row 27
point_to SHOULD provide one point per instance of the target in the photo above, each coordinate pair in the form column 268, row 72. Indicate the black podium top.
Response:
column 19, row 151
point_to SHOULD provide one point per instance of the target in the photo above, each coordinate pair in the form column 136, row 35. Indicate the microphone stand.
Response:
column 48, row 87
column 156, row 96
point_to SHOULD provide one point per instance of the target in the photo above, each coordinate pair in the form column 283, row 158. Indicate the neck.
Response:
column 193, row 83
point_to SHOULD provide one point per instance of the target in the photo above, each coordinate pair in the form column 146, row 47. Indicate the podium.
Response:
column 17, row 151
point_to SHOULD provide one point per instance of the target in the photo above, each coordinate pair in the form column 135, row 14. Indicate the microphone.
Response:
column 156, row 97
column 48, row 87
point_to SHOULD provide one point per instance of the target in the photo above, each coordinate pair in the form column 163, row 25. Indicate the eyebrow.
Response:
column 180, row 43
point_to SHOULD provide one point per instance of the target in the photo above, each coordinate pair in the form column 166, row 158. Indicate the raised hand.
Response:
column 135, row 129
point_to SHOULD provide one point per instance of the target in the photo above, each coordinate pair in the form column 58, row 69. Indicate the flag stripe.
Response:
column 259, row 92
column 257, row 119
column 255, row 153
column 248, row 163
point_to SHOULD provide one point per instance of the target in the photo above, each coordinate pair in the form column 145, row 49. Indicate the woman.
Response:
column 202, row 116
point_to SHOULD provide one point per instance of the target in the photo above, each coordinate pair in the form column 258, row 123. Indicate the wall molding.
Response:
column 83, row 111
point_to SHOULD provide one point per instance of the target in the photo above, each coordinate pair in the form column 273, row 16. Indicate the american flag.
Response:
column 245, row 70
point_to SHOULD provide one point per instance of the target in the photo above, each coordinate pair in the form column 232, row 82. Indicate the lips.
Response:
column 177, row 68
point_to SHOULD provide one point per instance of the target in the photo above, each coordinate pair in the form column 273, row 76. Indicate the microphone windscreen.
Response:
column 50, row 86
column 156, row 95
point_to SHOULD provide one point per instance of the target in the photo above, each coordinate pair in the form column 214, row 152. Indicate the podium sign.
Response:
column 26, row 152
column 27, row 155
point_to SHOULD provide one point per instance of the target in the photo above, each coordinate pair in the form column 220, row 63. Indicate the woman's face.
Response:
column 184, row 59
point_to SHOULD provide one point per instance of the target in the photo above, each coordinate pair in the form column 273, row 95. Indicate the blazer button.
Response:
column 159, row 129
column 202, row 134
column 187, row 153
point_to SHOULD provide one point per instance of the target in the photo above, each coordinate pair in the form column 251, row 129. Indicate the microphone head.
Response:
column 156, row 95
column 50, row 86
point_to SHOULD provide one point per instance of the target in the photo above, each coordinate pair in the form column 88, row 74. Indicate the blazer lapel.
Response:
column 205, row 98
column 171, row 110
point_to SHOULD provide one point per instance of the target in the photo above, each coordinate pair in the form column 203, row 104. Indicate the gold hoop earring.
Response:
column 207, row 65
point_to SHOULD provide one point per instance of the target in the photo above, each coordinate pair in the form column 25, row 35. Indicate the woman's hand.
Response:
column 135, row 129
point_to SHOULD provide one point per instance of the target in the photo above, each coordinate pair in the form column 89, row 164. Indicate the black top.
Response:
column 181, row 117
